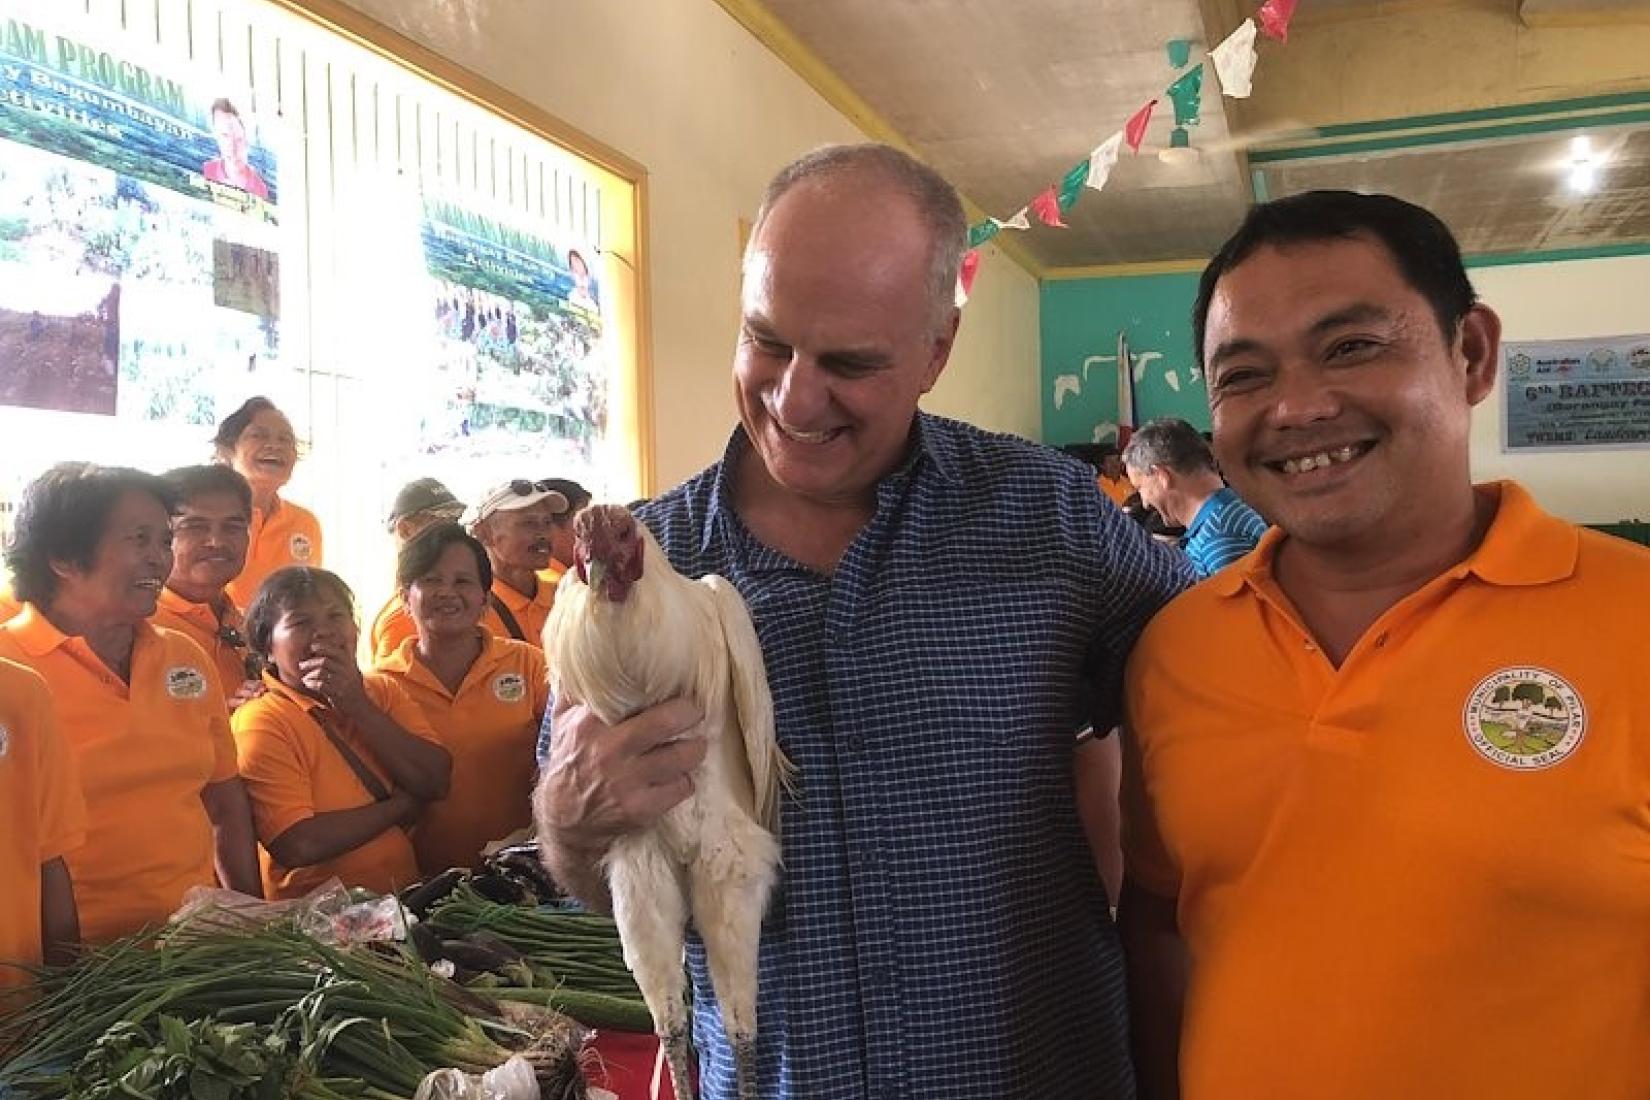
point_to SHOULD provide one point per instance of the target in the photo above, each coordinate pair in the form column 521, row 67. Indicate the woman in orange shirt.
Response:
column 338, row 764
column 139, row 706
column 258, row 442
column 483, row 694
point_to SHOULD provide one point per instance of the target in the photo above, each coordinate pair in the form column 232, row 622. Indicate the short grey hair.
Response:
column 1170, row 443
column 936, row 201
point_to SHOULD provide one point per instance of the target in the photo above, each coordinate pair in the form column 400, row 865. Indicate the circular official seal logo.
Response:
column 1524, row 718
column 300, row 547
column 510, row 688
column 184, row 682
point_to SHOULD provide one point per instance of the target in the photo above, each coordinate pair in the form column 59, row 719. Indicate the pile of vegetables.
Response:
column 224, row 1012
column 570, row 961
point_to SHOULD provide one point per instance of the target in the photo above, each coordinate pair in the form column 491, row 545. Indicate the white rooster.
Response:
column 627, row 631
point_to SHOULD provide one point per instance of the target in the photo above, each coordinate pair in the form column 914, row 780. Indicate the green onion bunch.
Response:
column 574, row 960
column 331, row 1023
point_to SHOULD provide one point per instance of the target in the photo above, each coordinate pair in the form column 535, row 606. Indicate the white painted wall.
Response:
column 1557, row 301
column 680, row 87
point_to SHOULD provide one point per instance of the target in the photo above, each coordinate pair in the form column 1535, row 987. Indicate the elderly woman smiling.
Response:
column 338, row 765
column 140, row 706
column 257, row 440
column 483, row 694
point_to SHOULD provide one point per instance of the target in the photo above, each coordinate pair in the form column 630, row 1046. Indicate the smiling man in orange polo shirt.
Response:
column 211, row 530
column 515, row 521
column 1388, row 803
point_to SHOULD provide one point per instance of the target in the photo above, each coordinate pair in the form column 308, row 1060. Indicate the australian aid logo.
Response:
column 1525, row 718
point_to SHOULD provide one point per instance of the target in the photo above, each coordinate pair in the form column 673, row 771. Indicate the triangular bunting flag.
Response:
column 1071, row 187
column 1134, row 131
column 1047, row 207
column 980, row 232
column 1018, row 221
column 1235, row 61
column 1187, row 96
column 1274, row 17
column 965, row 276
column 1102, row 160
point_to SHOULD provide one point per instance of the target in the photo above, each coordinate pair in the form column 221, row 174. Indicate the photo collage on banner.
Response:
column 139, row 236
column 520, row 378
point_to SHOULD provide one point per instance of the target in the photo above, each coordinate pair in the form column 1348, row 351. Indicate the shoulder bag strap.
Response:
column 510, row 623
column 371, row 782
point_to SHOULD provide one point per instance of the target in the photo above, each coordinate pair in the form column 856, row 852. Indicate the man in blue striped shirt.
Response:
column 1174, row 469
column 940, row 609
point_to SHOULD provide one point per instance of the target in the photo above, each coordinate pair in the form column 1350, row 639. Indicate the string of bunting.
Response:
column 1234, row 61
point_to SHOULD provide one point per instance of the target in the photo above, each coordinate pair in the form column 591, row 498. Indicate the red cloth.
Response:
column 626, row 1065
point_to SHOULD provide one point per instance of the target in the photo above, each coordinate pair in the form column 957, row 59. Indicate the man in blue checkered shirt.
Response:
column 940, row 609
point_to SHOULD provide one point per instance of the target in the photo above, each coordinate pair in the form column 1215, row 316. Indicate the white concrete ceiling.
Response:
column 1003, row 98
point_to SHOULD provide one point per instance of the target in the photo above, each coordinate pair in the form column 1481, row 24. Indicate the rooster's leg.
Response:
column 651, row 911
column 730, row 885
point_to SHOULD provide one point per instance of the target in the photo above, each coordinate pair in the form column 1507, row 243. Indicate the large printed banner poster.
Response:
column 1578, row 394
column 521, row 373
column 139, row 270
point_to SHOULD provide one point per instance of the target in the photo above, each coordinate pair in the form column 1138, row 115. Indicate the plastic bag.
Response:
column 210, row 905
column 513, row 1080
column 367, row 921
column 327, row 912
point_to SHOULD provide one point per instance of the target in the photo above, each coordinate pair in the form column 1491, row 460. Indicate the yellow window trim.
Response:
column 622, row 181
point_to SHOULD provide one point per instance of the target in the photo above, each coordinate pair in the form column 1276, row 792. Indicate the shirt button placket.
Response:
column 861, row 795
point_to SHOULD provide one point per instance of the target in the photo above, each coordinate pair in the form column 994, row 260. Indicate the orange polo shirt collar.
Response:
column 36, row 636
column 518, row 603
column 202, row 615
column 1524, row 546
column 405, row 662
column 35, row 633
column 301, row 699
column 531, row 612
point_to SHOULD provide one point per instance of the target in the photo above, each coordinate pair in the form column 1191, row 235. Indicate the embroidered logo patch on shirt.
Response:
column 510, row 687
column 184, row 682
column 1524, row 718
column 299, row 546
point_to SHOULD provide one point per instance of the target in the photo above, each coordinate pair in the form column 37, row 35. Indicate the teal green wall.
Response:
column 1080, row 322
